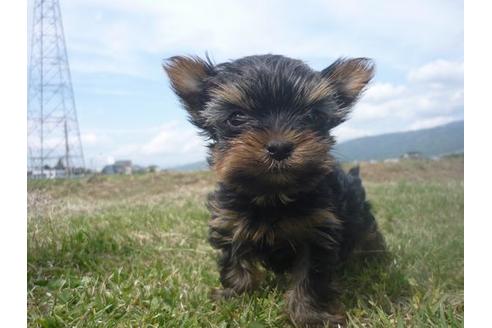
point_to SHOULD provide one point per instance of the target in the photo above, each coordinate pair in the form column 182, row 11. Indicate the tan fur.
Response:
column 273, row 229
column 186, row 74
column 247, row 153
column 232, row 94
column 352, row 76
column 320, row 91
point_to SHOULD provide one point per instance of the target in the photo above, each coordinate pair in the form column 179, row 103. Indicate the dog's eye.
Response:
column 236, row 119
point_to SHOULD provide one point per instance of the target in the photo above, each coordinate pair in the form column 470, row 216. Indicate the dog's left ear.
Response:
column 349, row 78
column 188, row 76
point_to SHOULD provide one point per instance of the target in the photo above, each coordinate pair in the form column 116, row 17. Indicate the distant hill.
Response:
column 196, row 166
column 440, row 140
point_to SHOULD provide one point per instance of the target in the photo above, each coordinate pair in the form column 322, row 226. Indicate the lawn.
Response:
column 131, row 251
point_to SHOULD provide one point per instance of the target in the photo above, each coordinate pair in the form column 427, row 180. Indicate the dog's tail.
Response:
column 355, row 171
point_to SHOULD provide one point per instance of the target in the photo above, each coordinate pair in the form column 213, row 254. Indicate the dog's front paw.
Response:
column 317, row 319
column 304, row 314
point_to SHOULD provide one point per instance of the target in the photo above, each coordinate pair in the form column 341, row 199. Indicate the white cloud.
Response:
column 345, row 132
column 99, row 161
column 174, row 140
column 431, row 95
column 439, row 71
column 172, row 143
column 432, row 122
column 117, row 33
column 384, row 91
column 91, row 138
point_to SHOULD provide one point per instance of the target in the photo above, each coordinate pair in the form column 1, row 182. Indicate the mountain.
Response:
column 440, row 140
column 196, row 166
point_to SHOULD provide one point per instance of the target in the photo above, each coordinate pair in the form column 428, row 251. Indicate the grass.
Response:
column 131, row 251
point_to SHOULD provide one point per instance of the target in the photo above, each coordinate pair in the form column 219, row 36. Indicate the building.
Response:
column 153, row 168
column 119, row 167
column 413, row 155
column 48, row 173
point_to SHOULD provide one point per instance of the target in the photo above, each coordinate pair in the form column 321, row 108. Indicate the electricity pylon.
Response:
column 52, row 125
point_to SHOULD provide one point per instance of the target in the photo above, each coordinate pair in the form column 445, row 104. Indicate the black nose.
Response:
column 279, row 150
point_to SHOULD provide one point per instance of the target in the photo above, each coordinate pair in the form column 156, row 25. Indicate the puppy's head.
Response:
column 268, row 117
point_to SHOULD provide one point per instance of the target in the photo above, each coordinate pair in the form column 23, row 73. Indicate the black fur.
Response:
column 301, row 216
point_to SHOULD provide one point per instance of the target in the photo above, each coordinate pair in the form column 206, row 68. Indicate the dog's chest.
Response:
column 273, row 227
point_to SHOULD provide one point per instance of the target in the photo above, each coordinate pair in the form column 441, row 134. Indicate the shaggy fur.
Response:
column 281, row 200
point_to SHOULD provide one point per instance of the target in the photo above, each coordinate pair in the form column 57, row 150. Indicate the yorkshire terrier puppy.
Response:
column 282, row 201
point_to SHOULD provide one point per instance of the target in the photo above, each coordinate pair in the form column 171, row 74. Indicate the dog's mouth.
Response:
column 291, row 166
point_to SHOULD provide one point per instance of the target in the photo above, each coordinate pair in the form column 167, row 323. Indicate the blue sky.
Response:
column 127, row 111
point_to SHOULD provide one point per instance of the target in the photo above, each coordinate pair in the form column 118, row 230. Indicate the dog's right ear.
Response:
column 188, row 76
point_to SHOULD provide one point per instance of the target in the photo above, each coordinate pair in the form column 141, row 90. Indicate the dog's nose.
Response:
column 279, row 149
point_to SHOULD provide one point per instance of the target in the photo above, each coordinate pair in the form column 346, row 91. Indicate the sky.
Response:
column 126, row 109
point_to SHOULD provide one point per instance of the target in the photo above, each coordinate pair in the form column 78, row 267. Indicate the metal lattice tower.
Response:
column 53, row 130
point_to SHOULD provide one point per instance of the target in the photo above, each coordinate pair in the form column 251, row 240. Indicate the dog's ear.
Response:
column 188, row 76
column 349, row 78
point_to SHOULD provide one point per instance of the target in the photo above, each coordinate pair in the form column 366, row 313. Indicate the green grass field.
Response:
column 131, row 251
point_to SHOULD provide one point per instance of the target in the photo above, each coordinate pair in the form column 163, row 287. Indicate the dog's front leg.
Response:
column 238, row 273
column 311, row 292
